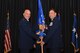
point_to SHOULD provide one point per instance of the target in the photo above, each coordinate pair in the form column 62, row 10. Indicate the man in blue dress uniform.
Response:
column 53, row 38
column 27, row 37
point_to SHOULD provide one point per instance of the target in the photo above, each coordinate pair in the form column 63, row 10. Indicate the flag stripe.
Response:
column 7, row 41
column 6, row 46
column 8, row 34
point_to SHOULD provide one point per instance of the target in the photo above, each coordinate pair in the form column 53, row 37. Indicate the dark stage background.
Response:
column 16, row 8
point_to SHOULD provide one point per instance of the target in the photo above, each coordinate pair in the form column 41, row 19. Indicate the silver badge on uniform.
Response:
column 51, row 23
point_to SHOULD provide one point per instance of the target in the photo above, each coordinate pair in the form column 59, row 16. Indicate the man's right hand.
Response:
column 38, row 33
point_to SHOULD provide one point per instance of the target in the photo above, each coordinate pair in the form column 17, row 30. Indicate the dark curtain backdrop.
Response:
column 66, row 8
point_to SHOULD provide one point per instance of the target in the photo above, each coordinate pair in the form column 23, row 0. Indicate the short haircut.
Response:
column 53, row 10
column 26, row 9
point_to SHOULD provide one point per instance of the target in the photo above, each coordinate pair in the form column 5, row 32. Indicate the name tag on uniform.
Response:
column 51, row 23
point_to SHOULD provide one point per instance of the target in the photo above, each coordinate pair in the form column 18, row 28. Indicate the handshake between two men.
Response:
column 41, row 34
column 53, row 39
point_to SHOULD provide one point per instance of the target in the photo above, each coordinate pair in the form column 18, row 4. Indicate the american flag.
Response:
column 7, row 40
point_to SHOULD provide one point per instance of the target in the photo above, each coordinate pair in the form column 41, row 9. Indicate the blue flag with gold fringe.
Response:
column 41, row 19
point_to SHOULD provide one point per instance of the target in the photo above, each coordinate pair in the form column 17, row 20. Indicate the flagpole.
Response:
column 73, row 47
column 42, row 45
column 41, row 24
column 74, row 50
column 73, row 44
column 41, row 38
